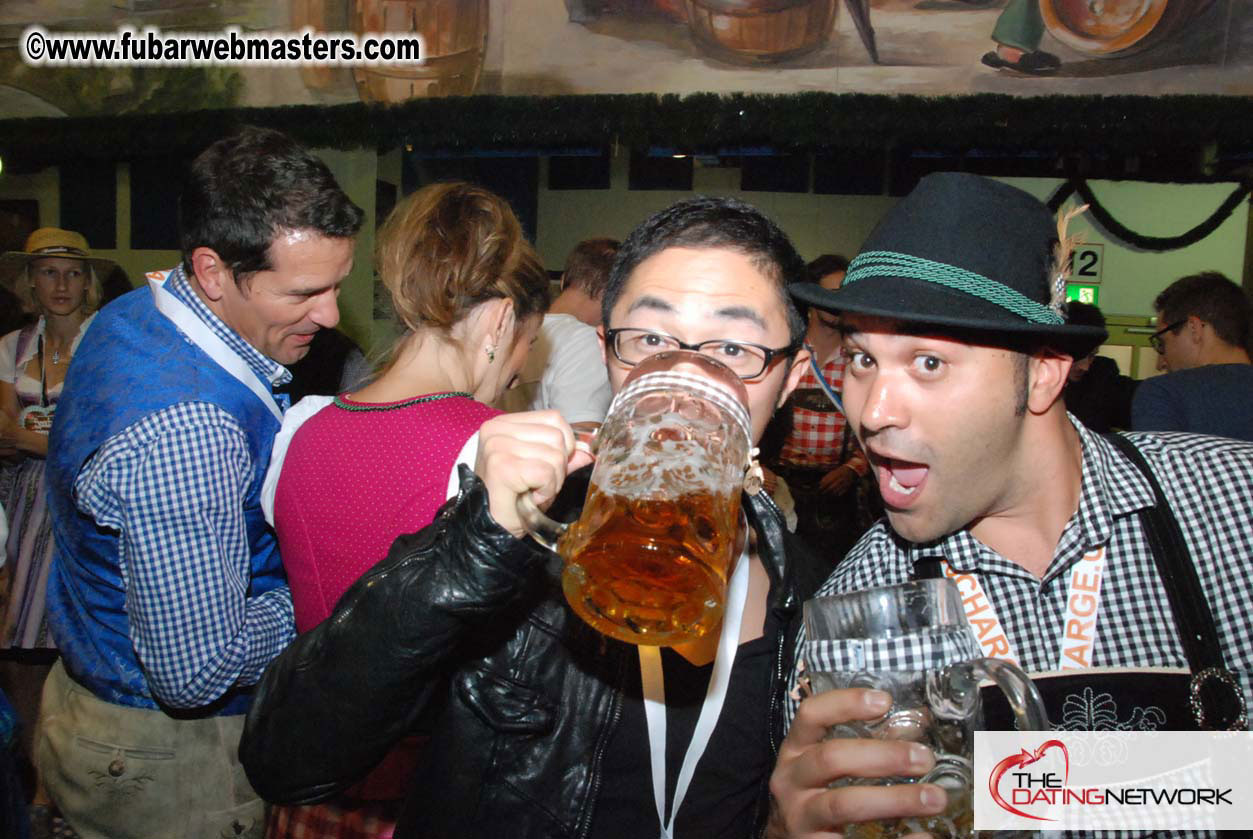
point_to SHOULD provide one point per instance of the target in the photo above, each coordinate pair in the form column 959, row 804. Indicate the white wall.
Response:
column 816, row 223
column 356, row 172
column 834, row 223
column 1132, row 278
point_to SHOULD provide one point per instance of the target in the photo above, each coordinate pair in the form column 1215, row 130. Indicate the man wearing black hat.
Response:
column 958, row 354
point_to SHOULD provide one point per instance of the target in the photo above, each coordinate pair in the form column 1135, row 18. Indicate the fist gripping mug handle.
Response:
column 538, row 526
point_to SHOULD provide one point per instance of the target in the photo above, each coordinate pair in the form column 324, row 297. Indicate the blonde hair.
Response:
column 451, row 246
column 92, row 291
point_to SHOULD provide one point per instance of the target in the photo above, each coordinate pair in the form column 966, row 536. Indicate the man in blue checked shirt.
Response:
column 166, row 596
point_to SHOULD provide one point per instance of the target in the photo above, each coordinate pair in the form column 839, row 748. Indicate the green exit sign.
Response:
column 1084, row 293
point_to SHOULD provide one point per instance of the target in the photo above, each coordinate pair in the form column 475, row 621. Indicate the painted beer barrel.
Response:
column 761, row 31
column 321, row 16
column 1109, row 28
column 454, row 34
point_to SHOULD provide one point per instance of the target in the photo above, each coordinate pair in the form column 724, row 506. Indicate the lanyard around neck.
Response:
column 1078, row 634
column 710, row 709
column 199, row 333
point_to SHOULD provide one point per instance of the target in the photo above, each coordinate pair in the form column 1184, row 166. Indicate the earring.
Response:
column 491, row 353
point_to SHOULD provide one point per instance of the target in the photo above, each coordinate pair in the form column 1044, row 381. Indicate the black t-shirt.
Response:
column 723, row 796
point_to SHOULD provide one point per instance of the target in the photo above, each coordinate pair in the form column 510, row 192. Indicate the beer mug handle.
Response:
column 538, row 526
column 1024, row 698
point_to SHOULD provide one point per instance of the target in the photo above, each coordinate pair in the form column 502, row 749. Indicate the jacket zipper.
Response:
column 599, row 754
column 775, row 698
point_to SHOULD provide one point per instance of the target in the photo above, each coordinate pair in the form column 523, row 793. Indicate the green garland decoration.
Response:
column 705, row 121
column 1137, row 240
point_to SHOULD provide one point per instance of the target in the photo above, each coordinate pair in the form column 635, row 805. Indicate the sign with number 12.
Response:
column 1085, row 263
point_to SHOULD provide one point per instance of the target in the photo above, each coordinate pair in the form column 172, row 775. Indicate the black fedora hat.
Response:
column 967, row 254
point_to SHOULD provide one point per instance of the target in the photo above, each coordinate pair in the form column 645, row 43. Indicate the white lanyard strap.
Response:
column 710, row 709
column 1078, row 634
column 1083, row 606
column 199, row 333
column 981, row 615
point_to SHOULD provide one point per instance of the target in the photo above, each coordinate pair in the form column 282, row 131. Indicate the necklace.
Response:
column 391, row 406
column 56, row 356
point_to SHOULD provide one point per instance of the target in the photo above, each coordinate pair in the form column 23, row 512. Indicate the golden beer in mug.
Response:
column 658, row 567
column 649, row 558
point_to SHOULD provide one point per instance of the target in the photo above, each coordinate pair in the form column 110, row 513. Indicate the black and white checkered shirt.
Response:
column 1209, row 484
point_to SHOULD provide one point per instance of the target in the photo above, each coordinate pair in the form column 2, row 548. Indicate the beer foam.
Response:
column 669, row 467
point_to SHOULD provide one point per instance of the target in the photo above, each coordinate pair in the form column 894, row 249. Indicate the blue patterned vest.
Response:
column 131, row 363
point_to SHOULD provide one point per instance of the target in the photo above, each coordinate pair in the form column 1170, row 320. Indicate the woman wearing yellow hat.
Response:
column 61, row 286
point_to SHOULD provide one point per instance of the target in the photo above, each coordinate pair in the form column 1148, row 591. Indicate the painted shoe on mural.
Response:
column 1037, row 63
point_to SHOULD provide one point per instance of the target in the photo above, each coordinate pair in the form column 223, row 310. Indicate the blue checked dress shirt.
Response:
column 173, row 485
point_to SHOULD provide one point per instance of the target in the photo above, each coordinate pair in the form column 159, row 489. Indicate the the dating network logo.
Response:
column 1102, row 780
column 1032, row 787
column 1027, row 788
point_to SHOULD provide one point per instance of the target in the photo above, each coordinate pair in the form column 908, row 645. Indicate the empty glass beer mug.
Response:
column 649, row 559
column 913, row 641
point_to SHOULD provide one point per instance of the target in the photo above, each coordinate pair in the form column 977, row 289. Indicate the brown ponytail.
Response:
column 451, row 246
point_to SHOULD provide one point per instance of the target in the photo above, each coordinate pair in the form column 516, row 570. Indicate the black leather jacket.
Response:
column 463, row 632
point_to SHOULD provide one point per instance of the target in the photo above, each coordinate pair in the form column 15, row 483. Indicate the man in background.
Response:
column 1203, row 347
column 166, row 596
column 1097, row 393
column 819, row 458
column 565, row 370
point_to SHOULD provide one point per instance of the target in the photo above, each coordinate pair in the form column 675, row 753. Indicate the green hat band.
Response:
column 891, row 264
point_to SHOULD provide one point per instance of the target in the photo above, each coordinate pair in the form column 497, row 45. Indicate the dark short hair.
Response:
column 245, row 189
column 821, row 266
column 1084, row 314
column 588, row 266
column 713, row 223
column 1211, row 297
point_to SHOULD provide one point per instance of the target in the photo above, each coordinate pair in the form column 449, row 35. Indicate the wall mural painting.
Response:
column 524, row 47
column 1032, row 47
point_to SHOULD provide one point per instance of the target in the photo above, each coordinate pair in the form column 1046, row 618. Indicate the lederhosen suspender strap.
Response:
column 1212, row 706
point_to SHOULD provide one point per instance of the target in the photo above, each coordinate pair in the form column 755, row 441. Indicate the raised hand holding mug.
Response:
column 913, row 641
column 649, row 559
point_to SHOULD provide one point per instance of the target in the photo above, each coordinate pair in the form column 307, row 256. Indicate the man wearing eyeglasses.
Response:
column 539, row 725
column 1203, row 347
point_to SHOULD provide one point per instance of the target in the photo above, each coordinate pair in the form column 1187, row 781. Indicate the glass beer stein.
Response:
column 649, row 559
column 913, row 641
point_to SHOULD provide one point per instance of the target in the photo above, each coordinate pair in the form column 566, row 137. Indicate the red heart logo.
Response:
column 1025, row 758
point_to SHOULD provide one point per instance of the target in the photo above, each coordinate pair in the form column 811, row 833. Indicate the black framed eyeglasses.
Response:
column 1155, row 340
column 744, row 358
